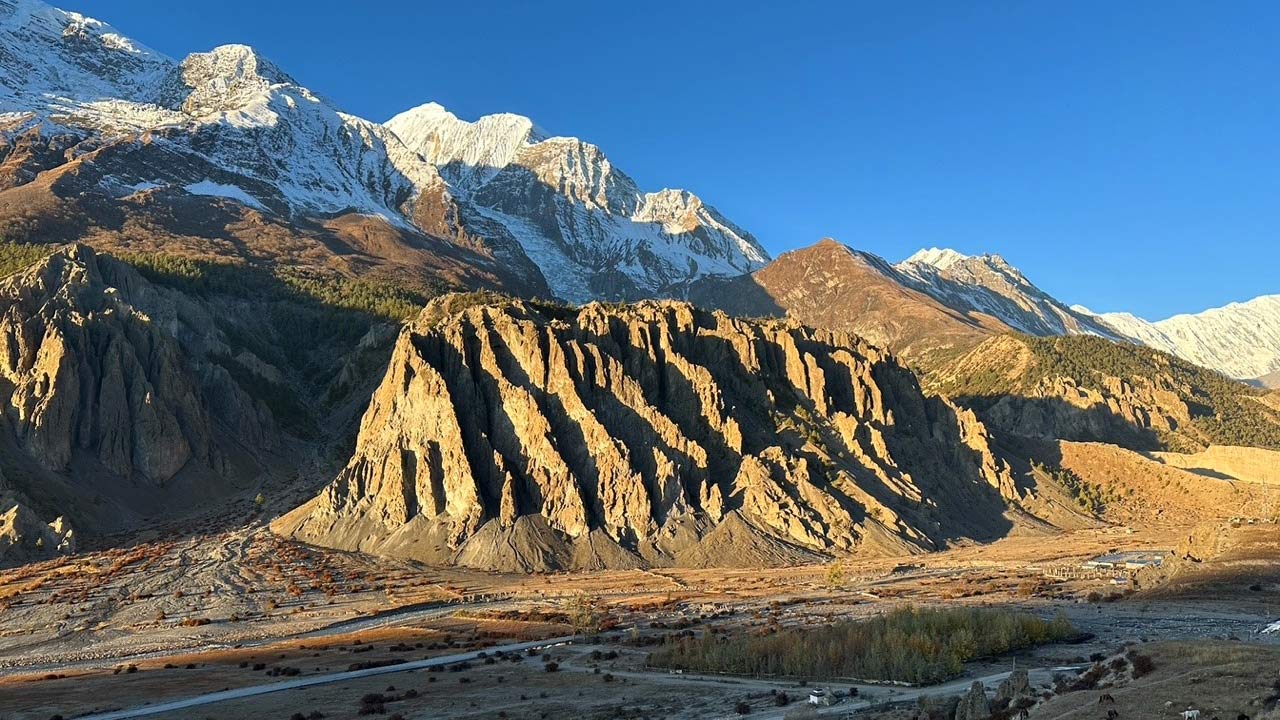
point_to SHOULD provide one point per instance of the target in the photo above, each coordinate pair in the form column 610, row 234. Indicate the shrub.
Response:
column 1142, row 664
column 906, row 645
column 742, row 708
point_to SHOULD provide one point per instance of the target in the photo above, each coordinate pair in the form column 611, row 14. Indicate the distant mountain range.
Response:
column 108, row 141
column 1242, row 339
column 113, row 120
column 939, row 302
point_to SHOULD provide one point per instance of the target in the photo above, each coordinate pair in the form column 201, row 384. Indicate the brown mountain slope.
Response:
column 1136, row 488
column 1090, row 389
column 830, row 285
column 52, row 190
column 510, row 435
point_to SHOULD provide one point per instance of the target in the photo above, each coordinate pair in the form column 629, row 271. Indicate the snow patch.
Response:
column 213, row 189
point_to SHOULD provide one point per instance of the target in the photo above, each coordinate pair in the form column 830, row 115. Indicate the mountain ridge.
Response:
column 1242, row 339
column 229, row 124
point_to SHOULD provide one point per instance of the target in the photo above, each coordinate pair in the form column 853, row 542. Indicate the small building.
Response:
column 1129, row 560
column 821, row 697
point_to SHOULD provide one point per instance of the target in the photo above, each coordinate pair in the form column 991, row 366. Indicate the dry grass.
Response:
column 1223, row 679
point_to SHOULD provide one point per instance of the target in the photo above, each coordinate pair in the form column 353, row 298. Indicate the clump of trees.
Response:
column 372, row 297
column 16, row 256
column 1091, row 498
column 906, row 645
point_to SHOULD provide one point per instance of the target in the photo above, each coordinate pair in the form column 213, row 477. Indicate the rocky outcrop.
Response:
column 521, row 436
column 85, row 371
column 1014, row 688
column 25, row 537
column 86, row 375
column 973, row 704
column 1134, row 413
column 116, row 401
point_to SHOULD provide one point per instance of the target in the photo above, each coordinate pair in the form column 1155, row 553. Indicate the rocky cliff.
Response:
column 87, row 372
column 111, row 407
column 518, row 436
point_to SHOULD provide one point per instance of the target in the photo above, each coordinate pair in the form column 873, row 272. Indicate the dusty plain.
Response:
column 168, row 620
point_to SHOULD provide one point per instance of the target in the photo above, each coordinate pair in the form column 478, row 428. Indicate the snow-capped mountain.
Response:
column 1241, row 340
column 48, row 55
column 120, row 120
column 573, row 211
column 987, row 284
column 224, row 122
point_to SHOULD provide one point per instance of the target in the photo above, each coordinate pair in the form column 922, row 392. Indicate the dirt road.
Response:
column 245, row 692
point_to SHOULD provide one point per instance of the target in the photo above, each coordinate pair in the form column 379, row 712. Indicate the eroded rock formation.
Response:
column 113, row 405
column 973, row 704
column 87, row 371
column 520, row 436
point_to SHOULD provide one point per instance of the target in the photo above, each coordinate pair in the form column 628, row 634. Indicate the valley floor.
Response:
column 175, row 619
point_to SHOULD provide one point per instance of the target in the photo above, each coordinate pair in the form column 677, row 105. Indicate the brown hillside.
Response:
column 830, row 285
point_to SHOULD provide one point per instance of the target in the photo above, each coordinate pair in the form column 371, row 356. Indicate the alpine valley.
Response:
column 258, row 354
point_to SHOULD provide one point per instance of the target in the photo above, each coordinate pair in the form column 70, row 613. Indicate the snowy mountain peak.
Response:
column 231, row 124
column 227, row 78
column 941, row 258
column 1241, row 339
column 48, row 54
column 989, row 285
column 467, row 153
column 235, row 65
column 578, row 217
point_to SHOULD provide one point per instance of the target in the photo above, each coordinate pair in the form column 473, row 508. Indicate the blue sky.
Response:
column 1124, row 155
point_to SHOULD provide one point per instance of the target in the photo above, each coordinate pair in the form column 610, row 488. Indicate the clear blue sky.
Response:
column 1123, row 154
